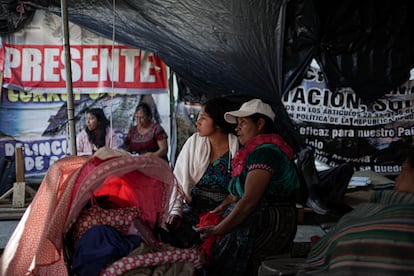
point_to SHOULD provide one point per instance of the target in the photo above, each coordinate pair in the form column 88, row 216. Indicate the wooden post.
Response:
column 19, row 164
column 19, row 187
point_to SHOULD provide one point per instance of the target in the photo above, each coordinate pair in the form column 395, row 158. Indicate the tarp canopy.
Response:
column 259, row 48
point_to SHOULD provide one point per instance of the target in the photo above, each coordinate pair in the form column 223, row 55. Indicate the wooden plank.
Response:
column 11, row 213
column 6, row 194
column 19, row 187
column 11, row 216
column 19, row 165
column 19, row 194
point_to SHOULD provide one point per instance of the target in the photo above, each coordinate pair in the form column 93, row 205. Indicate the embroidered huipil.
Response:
column 269, row 157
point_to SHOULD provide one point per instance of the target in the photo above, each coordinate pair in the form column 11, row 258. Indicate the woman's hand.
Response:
column 219, row 210
column 173, row 222
column 206, row 231
column 256, row 183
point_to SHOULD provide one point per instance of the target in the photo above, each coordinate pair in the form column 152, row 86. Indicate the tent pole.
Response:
column 69, row 100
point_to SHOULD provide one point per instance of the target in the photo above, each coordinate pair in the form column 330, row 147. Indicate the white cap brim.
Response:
column 231, row 116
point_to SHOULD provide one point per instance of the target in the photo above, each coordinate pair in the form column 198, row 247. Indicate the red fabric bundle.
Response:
column 208, row 219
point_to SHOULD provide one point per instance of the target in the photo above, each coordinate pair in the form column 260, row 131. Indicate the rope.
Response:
column 112, row 67
column 20, row 10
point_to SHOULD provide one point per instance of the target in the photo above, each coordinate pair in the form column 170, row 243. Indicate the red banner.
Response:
column 42, row 68
column 33, row 60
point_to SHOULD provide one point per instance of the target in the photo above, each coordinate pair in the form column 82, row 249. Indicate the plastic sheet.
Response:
column 260, row 48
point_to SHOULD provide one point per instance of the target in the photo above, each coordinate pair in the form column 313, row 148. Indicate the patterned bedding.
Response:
column 151, row 258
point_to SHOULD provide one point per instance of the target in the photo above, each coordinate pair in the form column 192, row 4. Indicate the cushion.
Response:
column 119, row 218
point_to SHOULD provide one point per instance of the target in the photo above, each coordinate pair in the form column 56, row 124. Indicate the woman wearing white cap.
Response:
column 263, row 221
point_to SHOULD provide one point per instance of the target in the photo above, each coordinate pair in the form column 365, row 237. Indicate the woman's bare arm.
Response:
column 256, row 183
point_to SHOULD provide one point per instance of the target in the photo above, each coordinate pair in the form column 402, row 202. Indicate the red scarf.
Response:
column 239, row 160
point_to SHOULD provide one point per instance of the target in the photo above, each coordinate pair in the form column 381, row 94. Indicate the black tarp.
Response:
column 259, row 48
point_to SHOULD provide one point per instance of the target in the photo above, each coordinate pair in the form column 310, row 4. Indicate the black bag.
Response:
column 328, row 186
column 308, row 174
column 7, row 173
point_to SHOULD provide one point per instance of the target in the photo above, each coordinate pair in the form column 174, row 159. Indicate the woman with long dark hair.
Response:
column 202, row 170
column 96, row 134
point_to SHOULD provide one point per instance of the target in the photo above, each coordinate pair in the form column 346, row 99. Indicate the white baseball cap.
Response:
column 249, row 108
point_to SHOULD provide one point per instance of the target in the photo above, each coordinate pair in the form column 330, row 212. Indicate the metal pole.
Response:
column 70, row 109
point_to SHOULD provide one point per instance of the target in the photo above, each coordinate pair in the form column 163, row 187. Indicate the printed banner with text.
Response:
column 38, row 122
column 33, row 59
column 342, row 129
